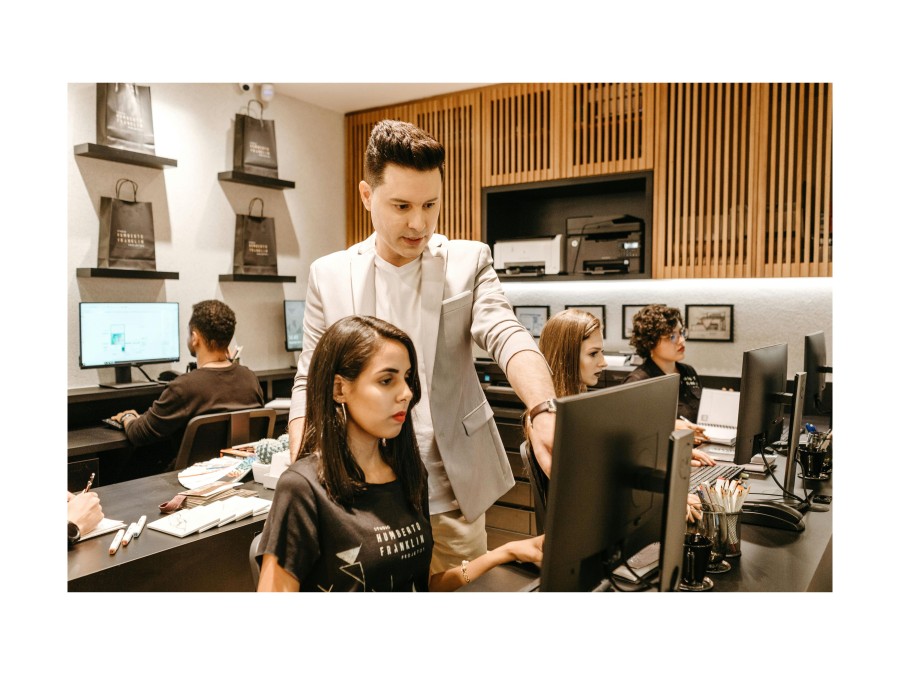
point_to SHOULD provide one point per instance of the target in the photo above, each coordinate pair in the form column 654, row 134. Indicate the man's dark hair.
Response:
column 215, row 321
column 403, row 144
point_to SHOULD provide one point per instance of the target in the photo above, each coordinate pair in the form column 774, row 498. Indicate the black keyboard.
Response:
column 710, row 473
column 112, row 424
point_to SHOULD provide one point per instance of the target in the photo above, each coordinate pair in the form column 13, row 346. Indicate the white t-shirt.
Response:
column 398, row 300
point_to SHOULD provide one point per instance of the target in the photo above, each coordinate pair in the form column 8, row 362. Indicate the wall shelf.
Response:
column 259, row 181
column 106, row 272
column 98, row 151
column 258, row 277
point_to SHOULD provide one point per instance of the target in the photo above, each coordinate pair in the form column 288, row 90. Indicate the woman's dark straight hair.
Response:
column 345, row 349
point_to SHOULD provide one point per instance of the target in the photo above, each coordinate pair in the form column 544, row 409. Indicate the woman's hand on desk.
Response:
column 700, row 458
column 693, row 508
column 699, row 432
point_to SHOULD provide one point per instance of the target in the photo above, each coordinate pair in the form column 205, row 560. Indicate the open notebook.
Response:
column 718, row 415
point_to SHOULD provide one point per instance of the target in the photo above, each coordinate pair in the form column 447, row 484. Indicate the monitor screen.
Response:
column 761, row 408
column 293, row 324
column 127, row 333
column 815, row 363
column 608, row 496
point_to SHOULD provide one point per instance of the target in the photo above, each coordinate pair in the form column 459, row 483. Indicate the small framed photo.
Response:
column 597, row 310
column 713, row 323
column 533, row 317
column 628, row 312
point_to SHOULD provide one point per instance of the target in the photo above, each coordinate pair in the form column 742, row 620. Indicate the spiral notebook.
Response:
column 718, row 415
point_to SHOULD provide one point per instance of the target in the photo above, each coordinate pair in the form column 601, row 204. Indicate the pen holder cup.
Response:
column 695, row 562
column 732, row 534
column 713, row 525
column 812, row 462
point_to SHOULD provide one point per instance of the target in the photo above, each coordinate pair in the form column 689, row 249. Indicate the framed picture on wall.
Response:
column 628, row 312
column 597, row 310
column 533, row 317
column 713, row 323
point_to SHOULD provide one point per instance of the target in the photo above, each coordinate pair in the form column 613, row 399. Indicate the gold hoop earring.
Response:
column 344, row 410
column 383, row 442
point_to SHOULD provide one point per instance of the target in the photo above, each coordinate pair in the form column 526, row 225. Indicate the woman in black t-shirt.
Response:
column 351, row 514
column 658, row 337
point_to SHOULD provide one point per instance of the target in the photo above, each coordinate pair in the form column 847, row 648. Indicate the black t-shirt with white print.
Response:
column 379, row 544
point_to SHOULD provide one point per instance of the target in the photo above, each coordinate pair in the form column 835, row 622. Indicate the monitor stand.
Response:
column 795, row 400
column 124, row 381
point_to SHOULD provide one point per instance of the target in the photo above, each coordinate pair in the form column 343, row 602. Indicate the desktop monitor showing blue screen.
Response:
column 126, row 334
column 619, row 483
column 761, row 408
column 293, row 324
column 815, row 363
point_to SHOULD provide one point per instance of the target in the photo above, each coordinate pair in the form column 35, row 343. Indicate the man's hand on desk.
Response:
column 125, row 417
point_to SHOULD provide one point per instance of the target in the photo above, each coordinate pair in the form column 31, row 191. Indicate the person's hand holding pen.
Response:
column 84, row 510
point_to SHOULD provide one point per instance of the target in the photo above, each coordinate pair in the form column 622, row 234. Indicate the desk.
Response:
column 215, row 560
column 771, row 559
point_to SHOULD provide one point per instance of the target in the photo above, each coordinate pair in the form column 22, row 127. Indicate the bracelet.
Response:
column 546, row 406
column 126, row 416
column 464, row 572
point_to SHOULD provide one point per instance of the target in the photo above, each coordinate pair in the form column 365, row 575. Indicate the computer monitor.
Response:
column 293, row 324
column 815, row 363
column 761, row 408
column 618, row 484
column 127, row 334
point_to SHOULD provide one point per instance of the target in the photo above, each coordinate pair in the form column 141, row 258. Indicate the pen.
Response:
column 88, row 486
column 140, row 526
column 129, row 533
column 114, row 546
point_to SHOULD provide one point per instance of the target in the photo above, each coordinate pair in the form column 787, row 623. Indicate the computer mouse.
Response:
column 167, row 376
column 772, row 514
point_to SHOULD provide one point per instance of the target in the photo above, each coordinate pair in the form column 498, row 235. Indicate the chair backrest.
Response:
column 540, row 484
column 254, row 565
column 206, row 435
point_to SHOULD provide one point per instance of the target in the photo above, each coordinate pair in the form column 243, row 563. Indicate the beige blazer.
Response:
column 462, row 303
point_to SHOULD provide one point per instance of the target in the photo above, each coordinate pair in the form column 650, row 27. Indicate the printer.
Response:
column 610, row 245
column 529, row 257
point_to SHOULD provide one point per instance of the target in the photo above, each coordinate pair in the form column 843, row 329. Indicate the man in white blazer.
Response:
column 446, row 296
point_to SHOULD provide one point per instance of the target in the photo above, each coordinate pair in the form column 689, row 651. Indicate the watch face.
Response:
column 74, row 532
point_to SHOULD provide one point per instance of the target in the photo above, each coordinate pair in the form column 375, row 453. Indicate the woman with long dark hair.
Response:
column 351, row 514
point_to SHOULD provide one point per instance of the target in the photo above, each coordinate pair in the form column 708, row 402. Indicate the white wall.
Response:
column 194, row 213
column 766, row 311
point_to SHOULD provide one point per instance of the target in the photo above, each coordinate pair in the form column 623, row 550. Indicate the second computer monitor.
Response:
column 293, row 324
column 815, row 363
column 608, row 485
column 761, row 408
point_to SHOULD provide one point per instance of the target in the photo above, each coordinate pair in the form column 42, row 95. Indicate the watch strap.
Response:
column 545, row 406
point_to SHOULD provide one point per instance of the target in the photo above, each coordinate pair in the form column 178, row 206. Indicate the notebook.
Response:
column 718, row 415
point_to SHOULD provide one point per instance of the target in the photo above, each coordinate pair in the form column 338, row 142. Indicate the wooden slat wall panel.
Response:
column 607, row 127
column 520, row 123
column 794, row 209
column 703, row 182
column 455, row 121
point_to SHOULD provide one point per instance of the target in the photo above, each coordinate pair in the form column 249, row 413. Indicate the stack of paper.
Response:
column 718, row 415
column 215, row 514
column 104, row 526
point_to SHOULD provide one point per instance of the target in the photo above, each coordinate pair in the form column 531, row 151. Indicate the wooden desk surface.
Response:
column 215, row 560
column 770, row 560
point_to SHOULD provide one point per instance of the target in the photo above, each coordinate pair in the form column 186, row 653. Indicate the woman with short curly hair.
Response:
column 658, row 337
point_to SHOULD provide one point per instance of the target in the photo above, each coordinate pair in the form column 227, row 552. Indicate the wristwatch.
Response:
column 74, row 534
column 126, row 416
column 546, row 406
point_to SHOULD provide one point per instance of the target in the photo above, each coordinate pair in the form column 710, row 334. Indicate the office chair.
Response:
column 540, row 484
column 206, row 435
column 254, row 565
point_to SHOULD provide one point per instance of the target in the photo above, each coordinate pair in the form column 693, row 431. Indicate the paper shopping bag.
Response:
column 124, row 117
column 254, row 144
column 254, row 243
column 126, row 232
